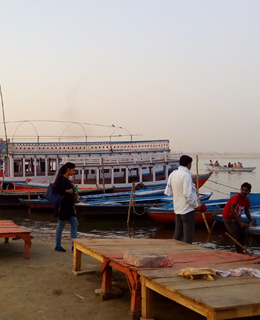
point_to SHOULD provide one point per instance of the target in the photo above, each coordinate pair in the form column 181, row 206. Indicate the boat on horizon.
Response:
column 225, row 168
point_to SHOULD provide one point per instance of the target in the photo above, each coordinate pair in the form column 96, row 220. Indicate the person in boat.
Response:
column 210, row 162
column 65, row 211
column 232, row 215
column 216, row 164
column 182, row 188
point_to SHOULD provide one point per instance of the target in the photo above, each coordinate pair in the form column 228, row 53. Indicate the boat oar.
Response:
column 202, row 213
column 239, row 244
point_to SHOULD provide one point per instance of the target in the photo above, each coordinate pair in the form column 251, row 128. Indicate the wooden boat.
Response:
column 228, row 169
column 255, row 215
column 140, row 199
column 254, row 231
column 165, row 214
column 107, row 164
column 38, row 203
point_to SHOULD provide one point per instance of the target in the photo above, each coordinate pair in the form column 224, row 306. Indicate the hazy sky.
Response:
column 185, row 70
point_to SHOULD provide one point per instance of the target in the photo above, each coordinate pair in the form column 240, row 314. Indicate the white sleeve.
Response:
column 189, row 191
column 168, row 189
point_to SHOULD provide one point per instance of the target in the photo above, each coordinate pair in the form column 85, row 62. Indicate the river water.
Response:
column 43, row 224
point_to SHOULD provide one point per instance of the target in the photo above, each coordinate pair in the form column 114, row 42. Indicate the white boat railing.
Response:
column 122, row 159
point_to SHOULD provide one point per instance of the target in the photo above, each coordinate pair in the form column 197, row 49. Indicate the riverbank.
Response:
column 44, row 287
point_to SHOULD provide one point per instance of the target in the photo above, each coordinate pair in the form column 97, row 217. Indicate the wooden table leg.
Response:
column 27, row 244
column 147, row 301
column 136, row 294
column 106, row 270
column 76, row 258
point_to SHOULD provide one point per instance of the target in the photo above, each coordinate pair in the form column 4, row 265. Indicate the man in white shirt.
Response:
column 182, row 188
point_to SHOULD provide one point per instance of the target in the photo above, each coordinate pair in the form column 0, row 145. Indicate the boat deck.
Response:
column 8, row 229
column 219, row 299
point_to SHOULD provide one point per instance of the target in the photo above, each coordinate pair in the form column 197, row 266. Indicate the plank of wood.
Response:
column 225, row 297
column 177, row 283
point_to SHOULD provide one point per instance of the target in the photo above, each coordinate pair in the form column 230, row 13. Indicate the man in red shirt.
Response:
column 232, row 215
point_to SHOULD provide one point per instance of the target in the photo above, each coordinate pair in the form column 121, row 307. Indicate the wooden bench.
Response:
column 223, row 298
column 110, row 253
column 8, row 229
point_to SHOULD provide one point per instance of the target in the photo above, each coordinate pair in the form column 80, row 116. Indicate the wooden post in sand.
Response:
column 202, row 213
column 130, row 203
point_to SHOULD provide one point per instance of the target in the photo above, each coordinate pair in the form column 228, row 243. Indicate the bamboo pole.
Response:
column 103, row 175
column 239, row 244
column 202, row 213
column 130, row 203
column 29, row 197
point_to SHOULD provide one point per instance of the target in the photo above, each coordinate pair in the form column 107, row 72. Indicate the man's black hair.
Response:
column 246, row 185
column 185, row 160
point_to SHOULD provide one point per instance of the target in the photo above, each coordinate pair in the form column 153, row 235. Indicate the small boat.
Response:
column 165, row 214
column 254, row 231
column 255, row 215
column 224, row 168
column 38, row 203
column 140, row 199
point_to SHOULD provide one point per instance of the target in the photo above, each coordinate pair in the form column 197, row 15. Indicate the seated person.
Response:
column 216, row 163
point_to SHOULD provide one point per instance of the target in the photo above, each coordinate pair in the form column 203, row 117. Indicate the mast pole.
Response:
column 3, row 112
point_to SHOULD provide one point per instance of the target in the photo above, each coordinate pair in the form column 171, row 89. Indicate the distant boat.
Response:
column 221, row 168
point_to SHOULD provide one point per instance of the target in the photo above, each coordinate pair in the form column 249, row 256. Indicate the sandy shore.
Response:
column 44, row 287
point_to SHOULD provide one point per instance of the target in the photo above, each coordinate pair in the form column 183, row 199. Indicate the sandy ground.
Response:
column 44, row 287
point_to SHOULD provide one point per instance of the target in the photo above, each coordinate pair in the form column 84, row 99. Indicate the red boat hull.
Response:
column 169, row 217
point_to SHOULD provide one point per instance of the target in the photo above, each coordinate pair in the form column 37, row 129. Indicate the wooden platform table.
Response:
column 110, row 253
column 8, row 229
column 223, row 298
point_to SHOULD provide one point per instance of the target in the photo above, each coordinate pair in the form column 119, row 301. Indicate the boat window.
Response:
column 52, row 166
column 18, row 167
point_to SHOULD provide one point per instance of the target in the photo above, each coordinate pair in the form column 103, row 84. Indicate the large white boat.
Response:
column 105, row 164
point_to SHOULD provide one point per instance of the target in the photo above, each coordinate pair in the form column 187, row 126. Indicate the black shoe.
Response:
column 60, row 249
